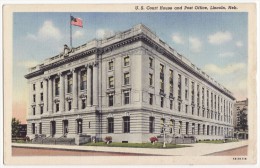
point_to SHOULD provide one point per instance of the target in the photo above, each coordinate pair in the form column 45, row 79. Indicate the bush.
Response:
column 27, row 139
column 108, row 138
column 153, row 139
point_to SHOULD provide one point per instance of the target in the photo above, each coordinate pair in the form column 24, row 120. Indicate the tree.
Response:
column 15, row 127
column 243, row 120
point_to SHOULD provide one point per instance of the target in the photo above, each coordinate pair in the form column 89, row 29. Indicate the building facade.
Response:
column 126, row 86
column 241, row 119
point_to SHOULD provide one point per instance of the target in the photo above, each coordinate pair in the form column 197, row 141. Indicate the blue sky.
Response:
column 215, row 42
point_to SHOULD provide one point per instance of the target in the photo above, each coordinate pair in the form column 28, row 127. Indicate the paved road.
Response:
column 241, row 151
column 21, row 151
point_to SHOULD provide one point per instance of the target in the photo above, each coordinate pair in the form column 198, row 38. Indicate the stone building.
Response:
column 126, row 86
column 240, row 119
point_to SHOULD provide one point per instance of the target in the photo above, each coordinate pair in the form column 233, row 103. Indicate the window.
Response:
column 57, row 107
column 151, row 62
column 198, row 129
column 192, row 110
column 186, row 108
column 162, row 124
column 69, row 84
column 33, row 110
column 126, row 78
column 41, row 84
column 83, row 80
column 198, row 111
column 34, row 98
column 151, row 79
column 186, row 81
column 126, row 125
column 69, row 105
column 126, row 61
column 151, row 125
column 171, row 88
column 161, row 84
column 110, row 127
column 180, row 127
column 172, row 125
column 110, row 100
column 33, row 86
column 187, row 128
column 41, row 96
column 111, row 65
column 111, row 82
column 79, row 126
column 57, row 86
column 162, row 99
column 33, row 128
column 186, row 94
column 126, row 98
column 179, row 86
column 179, row 106
column 83, row 105
column 41, row 109
column 161, row 68
column 171, row 104
column 193, row 128
column 40, row 128
column 151, row 99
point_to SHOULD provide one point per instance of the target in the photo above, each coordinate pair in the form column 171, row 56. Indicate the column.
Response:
column 79, row 90
column 183, row 93
column 175, row 88
column 50, row 95
column 62, row 93
column 38, row 98
column 75, row 90
column 66, row 90
column 88, row 86
column 30, row 99
column 95, row 84
column 190, row 96
column 195, row 98
column 45, row 94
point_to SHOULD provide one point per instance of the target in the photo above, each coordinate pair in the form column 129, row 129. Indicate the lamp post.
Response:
column 164, row 126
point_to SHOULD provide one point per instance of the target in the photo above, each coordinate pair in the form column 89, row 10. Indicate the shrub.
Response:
column 108, row 138
column 153, row 139
column 27, row 138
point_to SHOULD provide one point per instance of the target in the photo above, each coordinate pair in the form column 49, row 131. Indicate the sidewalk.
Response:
column 197, row 149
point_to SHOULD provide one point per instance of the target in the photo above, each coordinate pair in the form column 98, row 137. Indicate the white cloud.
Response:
column 231, row 68
column 226, row 54
column 195, row 44
column 104, row 33
column 78, row 34
column 177, row 39
column 239, row 44
column 28, row 64
column 219, row 38
column 47, row 31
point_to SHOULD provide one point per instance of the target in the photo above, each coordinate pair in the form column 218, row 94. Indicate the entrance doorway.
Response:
column 65, row 127
column 53, row 128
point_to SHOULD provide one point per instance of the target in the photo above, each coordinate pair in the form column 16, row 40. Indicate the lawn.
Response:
column 217, row 141
column 136, row 145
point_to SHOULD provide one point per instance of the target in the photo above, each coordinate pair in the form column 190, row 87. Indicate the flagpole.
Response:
column 70, row 33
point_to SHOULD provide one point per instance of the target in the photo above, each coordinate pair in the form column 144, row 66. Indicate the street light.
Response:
column 164, row 126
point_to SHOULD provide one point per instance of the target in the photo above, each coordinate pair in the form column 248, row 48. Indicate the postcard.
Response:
column 156, row 84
